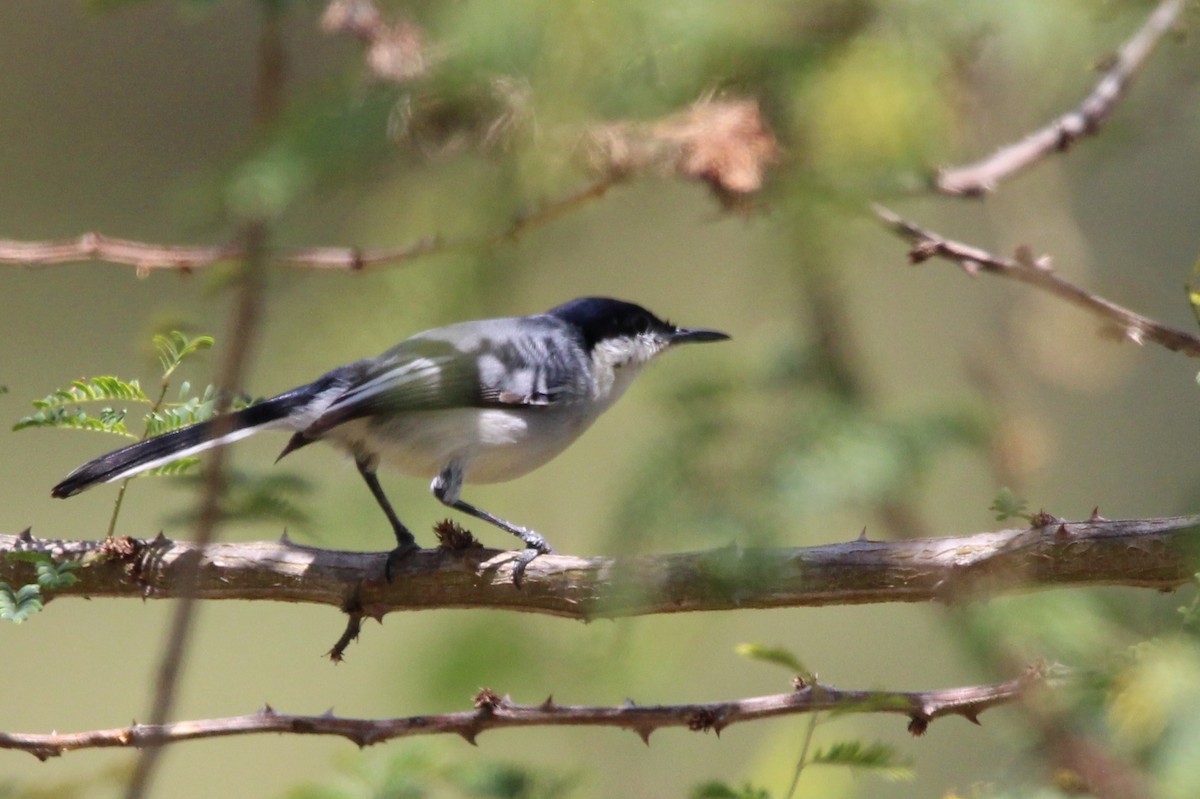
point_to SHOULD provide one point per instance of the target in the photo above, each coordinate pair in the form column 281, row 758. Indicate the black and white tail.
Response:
column 154, row 452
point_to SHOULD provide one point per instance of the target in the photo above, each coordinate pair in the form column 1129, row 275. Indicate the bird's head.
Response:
column 622, row 337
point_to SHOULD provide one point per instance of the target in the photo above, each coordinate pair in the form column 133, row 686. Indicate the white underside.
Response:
column 490, row 444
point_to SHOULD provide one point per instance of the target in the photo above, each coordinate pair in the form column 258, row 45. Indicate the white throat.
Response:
column 616, row 362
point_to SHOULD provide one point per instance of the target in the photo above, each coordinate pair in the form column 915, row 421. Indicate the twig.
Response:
column 494, row 712
column 1038, row 272
column 147, row 257
column 1145, row 553
column 981, row 177
column 243, row 326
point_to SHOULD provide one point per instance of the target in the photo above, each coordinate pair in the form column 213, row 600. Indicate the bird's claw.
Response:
column 397, row 555
column 534, row 545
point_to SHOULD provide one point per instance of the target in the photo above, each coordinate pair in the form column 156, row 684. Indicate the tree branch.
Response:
column 495, row 712
column 981, row 177
column 1038, row 272
column 1145, row 553
column 147, row 257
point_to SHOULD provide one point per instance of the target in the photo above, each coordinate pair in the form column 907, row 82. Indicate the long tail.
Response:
column 186, row 441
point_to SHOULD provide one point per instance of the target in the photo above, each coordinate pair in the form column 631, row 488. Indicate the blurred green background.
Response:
column 136, row 119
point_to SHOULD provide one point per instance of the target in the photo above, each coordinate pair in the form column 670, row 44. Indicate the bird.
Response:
column 482, row 401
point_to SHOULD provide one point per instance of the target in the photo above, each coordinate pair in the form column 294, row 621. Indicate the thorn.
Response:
column 469, row 736
column 1096, row 517
column 644, row 734
column 328, row 714
column 717, row 726
column 283, row 538
column 970, row 267
column 628, row 703
column 863, row 535
column 26, row 535
column 267, row 710
column 917, row 725
column 972, row 716
column 1062, row 531
column 548, row 704
column 1136, row 335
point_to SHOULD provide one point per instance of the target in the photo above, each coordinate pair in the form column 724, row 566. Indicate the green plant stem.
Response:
column 803, row 759
column 158, row 403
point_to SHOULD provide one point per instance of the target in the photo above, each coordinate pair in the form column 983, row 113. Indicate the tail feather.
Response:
column 154, row 452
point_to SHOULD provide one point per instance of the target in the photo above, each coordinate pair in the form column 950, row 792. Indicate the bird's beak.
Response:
column 685, row 335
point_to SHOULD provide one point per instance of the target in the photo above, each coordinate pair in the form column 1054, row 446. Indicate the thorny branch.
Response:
column 1146, row 553
column 722, row 143
column 1037, row 271
column 495, row 712
column 983, row 176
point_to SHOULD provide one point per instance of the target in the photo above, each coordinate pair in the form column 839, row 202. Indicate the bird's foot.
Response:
column 534, row 545
column 395, row 557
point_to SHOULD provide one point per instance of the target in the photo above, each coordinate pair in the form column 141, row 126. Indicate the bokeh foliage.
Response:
column 799, row 425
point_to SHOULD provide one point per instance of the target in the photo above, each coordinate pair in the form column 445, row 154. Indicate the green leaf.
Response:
column 109, row 420
column 51, row 575
column 275, row 497
column 173, row 468
column 1007, row 506
column 774, row 654
column 26, row 556
column 173, row 347
column 94, row 389
column 721, row 790
column 855, row 754
column 17, row 606
column 181, row 414
column 724, row 791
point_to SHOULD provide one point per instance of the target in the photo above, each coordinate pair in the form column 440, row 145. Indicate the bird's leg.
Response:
column 448, row 485
column 405, row 543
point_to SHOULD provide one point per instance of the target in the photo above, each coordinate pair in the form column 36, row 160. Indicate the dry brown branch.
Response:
column 147, row 257
column 1143, row 553
column 495, row 712
column 1037, row 271
column 723, row 143
column 983, row 176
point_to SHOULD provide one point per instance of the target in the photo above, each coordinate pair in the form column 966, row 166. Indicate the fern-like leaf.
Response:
column 181, row 414
column 104, row 388
column 109, row 420
column 51, row 575
column 856, row 754
column 776, row 655
column 173, row 468
column 173, row 347
column 17, row 606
